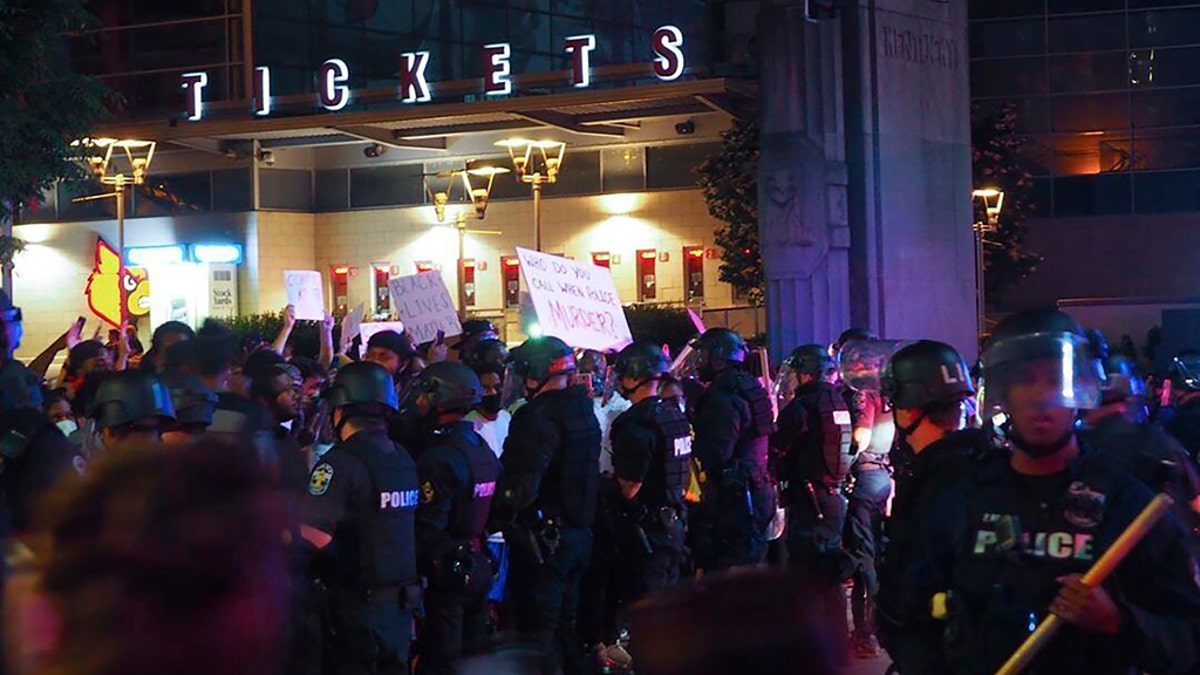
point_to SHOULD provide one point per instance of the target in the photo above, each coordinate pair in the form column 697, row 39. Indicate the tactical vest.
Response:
column 753, row 445
column 830, row 428
column 667, row 478
column 387, row 521
column 571, row 482
column 470, row 508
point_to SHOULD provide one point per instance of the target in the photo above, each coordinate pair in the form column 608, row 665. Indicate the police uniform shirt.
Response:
column 340, row 487
column 446, row 482
column 999, row 541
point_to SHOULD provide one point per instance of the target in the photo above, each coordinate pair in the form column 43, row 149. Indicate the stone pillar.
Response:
column 801, row 178
column 908, row 143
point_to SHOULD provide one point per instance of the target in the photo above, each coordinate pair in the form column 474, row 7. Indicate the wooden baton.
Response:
column 1099, row 572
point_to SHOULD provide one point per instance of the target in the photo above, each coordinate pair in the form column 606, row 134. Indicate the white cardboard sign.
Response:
column 424, row 304
column 576, row 302
column 305, row 294
column 368, row 328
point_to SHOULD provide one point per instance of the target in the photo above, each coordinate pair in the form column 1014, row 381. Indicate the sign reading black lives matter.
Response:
column 575, row 301
column 425, row 306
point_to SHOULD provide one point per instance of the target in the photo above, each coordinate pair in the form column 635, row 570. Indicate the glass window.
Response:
column 1008, row 38
column 1086, row 33
column 1166, row 108
column 991, row 9
column 1040, row 199
column 1164, row 67
column 1092, row 195
column 1078, row 154
column 231, row 190
column 1096, row 112
column 1167, row 191
column 1033, row 113
column 69, row 209
column 332, row 190
column 289, row 189
column 1008, row 77
column 1173, row 149
column 1164, row 28
column 624, row 170
column 580, row 175
column 1142, row 4
column 1088, row 72
column 387, row 186
column 1083, row 6
column 174, row 193
column 674, row 166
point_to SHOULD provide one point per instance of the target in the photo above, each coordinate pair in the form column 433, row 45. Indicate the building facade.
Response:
column 301, row 135
column 1107, row 91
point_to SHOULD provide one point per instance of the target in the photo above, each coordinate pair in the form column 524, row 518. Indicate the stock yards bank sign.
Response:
column 334, row 93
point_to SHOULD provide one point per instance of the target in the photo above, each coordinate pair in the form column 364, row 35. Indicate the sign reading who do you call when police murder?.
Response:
column 575, row 301
column 333, row 93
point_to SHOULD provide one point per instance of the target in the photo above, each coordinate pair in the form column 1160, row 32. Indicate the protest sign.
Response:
column 576, row 302
column 352, row 323
column 305, row 294
column 424, row 304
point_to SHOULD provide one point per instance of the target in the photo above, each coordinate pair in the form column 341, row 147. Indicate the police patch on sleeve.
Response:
column 426, row 492
column 318, row 483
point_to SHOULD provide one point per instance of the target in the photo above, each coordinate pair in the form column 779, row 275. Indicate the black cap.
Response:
column 393, row 341
column 641, row 361
column 543, row 357
column 810, row 360
column 722, row 343
column 925, row 372
column 128, row 396
column 450, row 386
column 362, row 384
column 475, row 330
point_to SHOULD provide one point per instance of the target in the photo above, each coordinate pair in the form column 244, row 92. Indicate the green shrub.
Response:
column 305, row 339
column 661, row 324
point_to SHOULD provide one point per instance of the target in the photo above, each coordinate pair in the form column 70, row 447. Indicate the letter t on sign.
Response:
column 580, row 49
column 194, row 84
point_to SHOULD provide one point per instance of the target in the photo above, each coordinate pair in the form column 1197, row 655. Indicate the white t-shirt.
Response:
column 606, row 413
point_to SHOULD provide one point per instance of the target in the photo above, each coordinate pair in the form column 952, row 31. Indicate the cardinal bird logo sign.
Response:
column 115, row 292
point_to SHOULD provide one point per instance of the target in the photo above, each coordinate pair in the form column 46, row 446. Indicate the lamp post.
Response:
column 477, row 180
column 536, row 163
column 993, row 201
column 116, row 162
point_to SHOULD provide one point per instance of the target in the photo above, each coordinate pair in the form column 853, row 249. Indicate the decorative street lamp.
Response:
column 536, row 163
column 118, row 163
column 477, row 180
column 993, row 201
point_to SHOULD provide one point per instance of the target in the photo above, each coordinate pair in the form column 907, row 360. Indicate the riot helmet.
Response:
column 1044, row 345
column 487, row 355
column 717, row 346
column 194, row 401
column 1121, row 381
column 642, row 362
column 364, row 387
column 538, row 359
column 924, row 373
column 448, row 387
column 129, row 396
column 475, row 331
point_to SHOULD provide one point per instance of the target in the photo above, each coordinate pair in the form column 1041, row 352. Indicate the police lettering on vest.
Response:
column 408, row 499
column 487, row 489
column 683, row 447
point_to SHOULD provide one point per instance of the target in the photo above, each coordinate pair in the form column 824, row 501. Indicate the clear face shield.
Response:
column 512, row 391
column 1040, row 371
column 785, row 384
column 860, row 362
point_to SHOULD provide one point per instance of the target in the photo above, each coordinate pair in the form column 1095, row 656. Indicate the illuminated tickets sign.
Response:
column 333, row 90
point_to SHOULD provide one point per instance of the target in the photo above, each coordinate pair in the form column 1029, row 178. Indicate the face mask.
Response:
column 67, row 427
column 491, row 404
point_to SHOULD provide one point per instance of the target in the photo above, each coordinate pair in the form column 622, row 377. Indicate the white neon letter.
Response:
column 413, row 86
column 580, row 47
column 194, row 84
column 262, row 91
column 668, row 49
column 334, row 93
column 496, row 69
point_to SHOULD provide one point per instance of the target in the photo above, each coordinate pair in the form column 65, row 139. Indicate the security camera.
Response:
column 375, row 150
column 686, row 128
column 266, row 158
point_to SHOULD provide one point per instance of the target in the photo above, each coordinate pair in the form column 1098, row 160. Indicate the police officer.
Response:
column 927, row 384
column 130, row 408
column 1143, row 449
column 814, row 449
column 546, row 499
column 652, row 451
column 732, row 420
column 1010, row 542
column 1184, row 424
column 458, row 474
column 363, row 498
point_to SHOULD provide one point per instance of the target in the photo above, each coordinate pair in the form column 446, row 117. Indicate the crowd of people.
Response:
column 216, row 505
